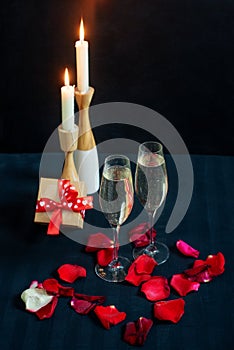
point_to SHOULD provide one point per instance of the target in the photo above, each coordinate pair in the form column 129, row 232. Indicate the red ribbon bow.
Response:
column 69, row 200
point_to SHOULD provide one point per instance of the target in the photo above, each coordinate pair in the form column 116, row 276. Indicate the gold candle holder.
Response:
column 48, row 188
column 86, row 139
column 86, row 155
column 68, row 143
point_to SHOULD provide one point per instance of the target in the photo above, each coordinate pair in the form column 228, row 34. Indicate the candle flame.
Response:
column 66, row 77
column 81, row 30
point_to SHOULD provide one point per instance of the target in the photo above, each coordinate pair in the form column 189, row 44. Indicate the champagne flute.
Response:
column 116, row 201
column 151, row 185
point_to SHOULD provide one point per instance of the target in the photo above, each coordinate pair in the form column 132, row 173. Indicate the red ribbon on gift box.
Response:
column 69, row 200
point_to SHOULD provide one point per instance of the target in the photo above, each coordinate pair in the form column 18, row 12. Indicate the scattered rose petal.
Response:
column 216, row 264
column 169, row 310
column 35, row 298
column 140, row 270
column 66, row 291
column 182, row 285
column 52, row 286
column 83, row 303
column 134, row 278
column 103, row 245
column 109, row 315
column 98, row 241
column 135, row 333
column 99, row 299
column 140, row 235
column 156, row 288
column 205, row 270
column 70, row 273
column 48, row 310
column 82, row 307
column 105, row 256
column 144, row 264
column 186, row 249
column 198, row 274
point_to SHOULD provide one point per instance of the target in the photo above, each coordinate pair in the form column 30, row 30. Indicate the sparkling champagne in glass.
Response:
column 151, row 186
column 116, row 201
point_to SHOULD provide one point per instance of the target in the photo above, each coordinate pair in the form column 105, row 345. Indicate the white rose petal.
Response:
column 35, row 298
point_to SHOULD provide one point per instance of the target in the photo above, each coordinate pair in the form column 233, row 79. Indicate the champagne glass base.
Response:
column 116, row 271
column 159, row 251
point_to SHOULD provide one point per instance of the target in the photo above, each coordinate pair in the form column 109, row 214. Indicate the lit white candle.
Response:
column 67, row 96
column 82, row 61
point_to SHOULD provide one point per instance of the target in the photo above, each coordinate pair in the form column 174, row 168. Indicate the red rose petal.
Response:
column 99, row 299
column 139, row 239
column 182, row 285
column 186, row 249
column 200, row 263
column 144, row 264
column 216, row 264
column 135, row 333
column 198, row 274
column 98, row 241
column 130, row 334
column 109, row 315
column 104, row 256
column 139, row 229
column 205, row 270
column 83, row 303
column 134, row 278
column 52, row 286
column 66, row 291
column 70, row 273
column 140, row 235
column 157, row 288
column 82, row 307
column 48, row 310
column 140, row 270
column 170, row 310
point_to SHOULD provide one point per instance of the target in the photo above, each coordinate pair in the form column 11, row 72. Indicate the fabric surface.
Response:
column 27, row 253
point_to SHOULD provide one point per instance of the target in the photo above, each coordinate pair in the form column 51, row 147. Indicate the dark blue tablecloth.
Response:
column 27, row 253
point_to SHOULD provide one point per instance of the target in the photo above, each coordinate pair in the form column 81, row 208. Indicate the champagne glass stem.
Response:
column 151, row 223
column 152, row 248
column 116, row 242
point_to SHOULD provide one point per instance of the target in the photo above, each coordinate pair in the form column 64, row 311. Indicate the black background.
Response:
column 173, row 56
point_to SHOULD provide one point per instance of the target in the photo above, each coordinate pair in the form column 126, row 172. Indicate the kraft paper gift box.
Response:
column 48, row 189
